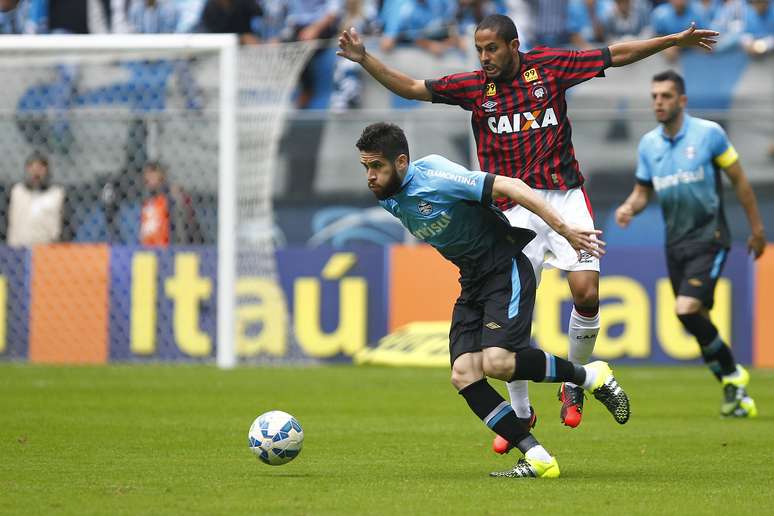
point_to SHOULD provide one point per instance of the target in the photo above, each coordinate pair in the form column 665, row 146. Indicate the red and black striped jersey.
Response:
column 521, row 126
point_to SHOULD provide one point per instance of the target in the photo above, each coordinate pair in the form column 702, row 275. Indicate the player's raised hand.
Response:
column 351, row 46
column 582, row 239
column 693, row 37
column 756, row 244
column 623, row 215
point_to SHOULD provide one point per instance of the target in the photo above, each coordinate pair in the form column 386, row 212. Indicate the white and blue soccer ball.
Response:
column 276, row 437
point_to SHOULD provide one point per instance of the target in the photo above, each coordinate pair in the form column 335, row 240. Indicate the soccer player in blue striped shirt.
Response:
column 451, row 208
column 681, row 162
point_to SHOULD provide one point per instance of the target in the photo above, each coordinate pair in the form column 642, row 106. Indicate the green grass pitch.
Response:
column 173, row 440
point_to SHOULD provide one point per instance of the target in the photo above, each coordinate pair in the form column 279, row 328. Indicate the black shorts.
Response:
column 495, row 311
column 694, row 270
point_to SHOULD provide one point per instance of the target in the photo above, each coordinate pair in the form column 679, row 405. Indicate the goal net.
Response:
column 135, row 196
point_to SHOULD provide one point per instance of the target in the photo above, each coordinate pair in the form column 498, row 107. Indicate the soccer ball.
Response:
column 276, row 437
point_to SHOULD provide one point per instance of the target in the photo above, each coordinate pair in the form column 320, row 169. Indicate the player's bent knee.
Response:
column 584, row 286
column 586, row 297
column 499, row 363
column 461, row 379
column 465, row 372
column 685, row 305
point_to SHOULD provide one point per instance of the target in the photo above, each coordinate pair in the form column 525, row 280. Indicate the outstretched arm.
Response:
column 628, row 52
column 579, row 238
column 633, row 204
column 351, row 47
column 757, row 241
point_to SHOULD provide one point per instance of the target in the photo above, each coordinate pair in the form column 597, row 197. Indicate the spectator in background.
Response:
column 347, row 75
column 470, row 13
column 749, row 25
column 622, row 19
column 312, row 19
column 189, row 12
column 71, row 16
column 38, row 212
column 231, row 17
column 309, row 20
column 584, row 23
column 676, row 14
column 428, row 24
column 709, row 8
column 551, row 27
column 674, row 17
column 270, row 26
column 167, row 216
column 152, row 16
column 16, row 18
column 522, row 11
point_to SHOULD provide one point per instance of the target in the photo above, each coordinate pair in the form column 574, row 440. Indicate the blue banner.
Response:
column 14, row 302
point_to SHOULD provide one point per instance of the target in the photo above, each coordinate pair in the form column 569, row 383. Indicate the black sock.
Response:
column 539, row 366
column 714, row 351
column 497, row 414
column 718, row 358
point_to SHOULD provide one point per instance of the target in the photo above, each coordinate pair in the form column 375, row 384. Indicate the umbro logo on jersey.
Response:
column 425, row 208
column 489, row 106
column 493, row 325
column 531, row 75
column 491, row 90
column 522, row 121
column 690, row 152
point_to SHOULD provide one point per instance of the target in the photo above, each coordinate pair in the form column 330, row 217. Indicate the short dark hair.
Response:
column 671, row 75
column 36, row 157
column 155, row 165
column 501, row 25
column 384, row 137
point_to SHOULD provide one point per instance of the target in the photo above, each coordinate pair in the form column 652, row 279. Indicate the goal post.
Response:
column 227, row 191
column 210, row 110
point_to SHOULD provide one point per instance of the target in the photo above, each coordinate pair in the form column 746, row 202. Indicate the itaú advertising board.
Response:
column 324, row 305
column 89, row 303
column 637, row 309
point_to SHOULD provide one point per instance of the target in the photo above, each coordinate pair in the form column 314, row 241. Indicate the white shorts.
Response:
column 549, row 249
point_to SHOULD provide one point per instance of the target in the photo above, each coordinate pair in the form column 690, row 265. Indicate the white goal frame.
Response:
column 226, row 46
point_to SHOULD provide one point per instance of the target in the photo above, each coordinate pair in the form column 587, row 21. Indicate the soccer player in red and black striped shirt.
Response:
column 519, row 120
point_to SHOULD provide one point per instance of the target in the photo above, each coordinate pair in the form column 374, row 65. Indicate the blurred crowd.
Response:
column 437, row 26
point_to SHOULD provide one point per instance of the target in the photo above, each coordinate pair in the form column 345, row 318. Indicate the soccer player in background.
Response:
column 520, row 123
column 451, row 208
column 681, row 161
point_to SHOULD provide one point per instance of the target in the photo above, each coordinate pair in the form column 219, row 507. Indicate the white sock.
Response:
column 583, row 333
column 518, row 391
column 538, row 453
column 591, row 377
